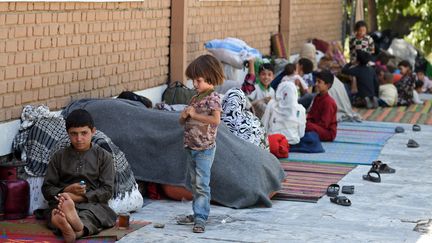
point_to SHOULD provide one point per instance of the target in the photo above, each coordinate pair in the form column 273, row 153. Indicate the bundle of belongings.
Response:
column 42, row 133
column 242, row 174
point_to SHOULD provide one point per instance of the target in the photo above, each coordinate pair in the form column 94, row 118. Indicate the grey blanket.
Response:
column 242, row 175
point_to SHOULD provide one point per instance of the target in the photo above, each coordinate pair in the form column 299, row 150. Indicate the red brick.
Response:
column 43, row 93
column 36, row 82
column 27, row 96
column 29, row 70
column 9, row 100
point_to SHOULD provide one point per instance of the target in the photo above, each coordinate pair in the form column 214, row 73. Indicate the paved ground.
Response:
column 399, row 209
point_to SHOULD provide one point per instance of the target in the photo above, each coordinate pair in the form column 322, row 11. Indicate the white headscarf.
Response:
column 284, row 115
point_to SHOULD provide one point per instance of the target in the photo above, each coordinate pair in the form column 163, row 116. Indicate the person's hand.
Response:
column 191, row 111
column 267, row 99
column 297, row 82
column 76, row 188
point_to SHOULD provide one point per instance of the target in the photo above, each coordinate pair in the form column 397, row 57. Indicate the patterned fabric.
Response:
column 240, row 121
column 365, row 44
column 198, row 135
column 249, row 84
column 405, row 88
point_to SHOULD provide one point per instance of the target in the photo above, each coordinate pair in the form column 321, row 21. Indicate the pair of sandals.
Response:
column 378, row 168
column 333, row 193
column 199, row 226
column 415, row 128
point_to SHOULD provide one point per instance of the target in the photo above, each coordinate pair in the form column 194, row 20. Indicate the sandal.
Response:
column 399, row 130
column 412, row 144
column 348, row 189
column 198, row 228
column 333, row 190
column 341, row 200
column 416, row 128
column 185, row 220
column 370, row 177
column 382, row 168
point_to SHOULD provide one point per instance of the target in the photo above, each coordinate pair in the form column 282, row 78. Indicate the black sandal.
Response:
column 382, row 168
column 412, row 144
column 341, row 200
column 348, row 189
column 399, row 130
column 333, row 190
column 370, row 177
column 416, row 128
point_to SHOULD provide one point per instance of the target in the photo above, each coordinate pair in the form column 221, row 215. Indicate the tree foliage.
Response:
column 421, row 31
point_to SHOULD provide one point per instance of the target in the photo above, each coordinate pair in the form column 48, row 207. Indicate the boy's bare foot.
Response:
column 58, row 219
column 67, row 206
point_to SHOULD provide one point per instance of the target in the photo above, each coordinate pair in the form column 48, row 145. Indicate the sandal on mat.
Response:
column 399, row 130
column 341, row 200
column 333, row 190
column 199, row 228
column 416, row 128
column 371, row 177
column 382, row 168
column 348, row 189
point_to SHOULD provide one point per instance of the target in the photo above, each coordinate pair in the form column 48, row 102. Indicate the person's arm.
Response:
column 184, row 115
column 50, row 188
column 347, row 69
column 248, row 85
column 371, row 45
column 213, row 118
column 106, row 180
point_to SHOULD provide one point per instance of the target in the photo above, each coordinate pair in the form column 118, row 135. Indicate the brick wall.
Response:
column 252, row 21
column 314, row 19
column 51, row 53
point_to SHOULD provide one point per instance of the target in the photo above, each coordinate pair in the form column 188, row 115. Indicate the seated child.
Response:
column 427, row 83
column 405, row 86
column 284, row 115
column 304, row 68
column 79, row 182
column 366, row 81
column 322, row 115
column 417, row 90
column 387, row 91
column 292, row 76
column 259, row 93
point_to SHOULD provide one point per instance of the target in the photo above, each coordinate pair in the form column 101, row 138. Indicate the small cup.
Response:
column 123, row 221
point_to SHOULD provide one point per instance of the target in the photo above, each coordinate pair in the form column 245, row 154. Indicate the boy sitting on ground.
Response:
column 259, row 93
column 322, row 115
column 427, row 83
column 292, row 76
column 417, row 90
column 387, row 91
column 79, row 182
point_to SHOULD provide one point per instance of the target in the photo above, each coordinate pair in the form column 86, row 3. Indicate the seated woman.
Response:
column 284, row 115
column 240, row 121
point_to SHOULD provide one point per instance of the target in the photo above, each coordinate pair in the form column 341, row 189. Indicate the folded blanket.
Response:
column 242, row 175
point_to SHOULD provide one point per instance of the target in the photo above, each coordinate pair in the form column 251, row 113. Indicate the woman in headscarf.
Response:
column 240, row 121
column 284, row 115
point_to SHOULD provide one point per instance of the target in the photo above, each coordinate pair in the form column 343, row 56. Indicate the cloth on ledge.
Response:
column 243, row 175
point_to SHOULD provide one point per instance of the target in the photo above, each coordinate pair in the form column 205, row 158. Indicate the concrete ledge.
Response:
column 10, row 129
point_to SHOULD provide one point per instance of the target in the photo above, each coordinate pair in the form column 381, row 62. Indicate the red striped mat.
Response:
column 308, row 182
column 413, row 114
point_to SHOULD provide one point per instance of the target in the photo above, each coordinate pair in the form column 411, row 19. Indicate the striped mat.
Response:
column 414, row 114
column 308, row 182
column 33, row 230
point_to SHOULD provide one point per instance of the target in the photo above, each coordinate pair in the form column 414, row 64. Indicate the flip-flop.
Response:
column 348, row 189
column 416, row 128
column 341, row 200
column 370, row 177
column 399, row 130
column 412, row 144
column 333, row 190
column 382, row 168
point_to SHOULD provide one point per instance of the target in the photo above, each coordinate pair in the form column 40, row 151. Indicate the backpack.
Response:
column 177, row 93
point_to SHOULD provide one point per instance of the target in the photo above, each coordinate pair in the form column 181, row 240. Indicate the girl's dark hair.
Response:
column 306, row 64
column 405, row 63
column 289, row 69
column 79, row 118
column 266, row 66
column 206, row 67
column 359, row 24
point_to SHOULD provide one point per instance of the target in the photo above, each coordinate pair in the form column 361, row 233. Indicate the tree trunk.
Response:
column 372, row 13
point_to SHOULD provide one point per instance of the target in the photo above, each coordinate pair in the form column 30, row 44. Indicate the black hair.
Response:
column 307, row 65
column 128, row 95
column 79, row 118
column 289, row 69
column 326, row 76
column 360, row 24
column 266, row 66
column 419, row 84
column 405, row 63
column 362, row 57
